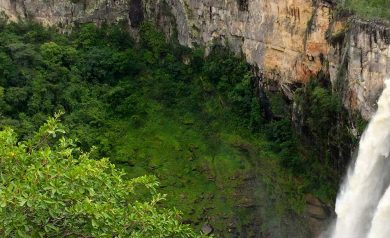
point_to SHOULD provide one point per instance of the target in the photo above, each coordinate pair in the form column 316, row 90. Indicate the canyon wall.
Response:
column 65, row 13
column 288, row 40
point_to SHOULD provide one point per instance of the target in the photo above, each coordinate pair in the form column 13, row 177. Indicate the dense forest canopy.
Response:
column 155, row 108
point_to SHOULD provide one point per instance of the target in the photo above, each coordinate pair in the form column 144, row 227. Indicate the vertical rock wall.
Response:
column 66, row 12
column 360, row 61
column 283, row 38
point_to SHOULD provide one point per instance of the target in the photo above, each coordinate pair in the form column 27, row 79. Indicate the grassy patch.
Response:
column 369, row 9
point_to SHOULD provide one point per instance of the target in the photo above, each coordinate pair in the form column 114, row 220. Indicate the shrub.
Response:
column 50, row 188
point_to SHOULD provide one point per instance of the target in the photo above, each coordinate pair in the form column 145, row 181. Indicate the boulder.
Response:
column 206, row 229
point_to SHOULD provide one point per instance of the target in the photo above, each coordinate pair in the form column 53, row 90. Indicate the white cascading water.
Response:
column 380, row 227
column 363, row 204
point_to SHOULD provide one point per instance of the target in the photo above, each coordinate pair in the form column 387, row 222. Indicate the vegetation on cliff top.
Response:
column 369, row 9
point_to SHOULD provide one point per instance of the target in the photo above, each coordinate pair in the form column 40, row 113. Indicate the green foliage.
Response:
column 371, row 9
column 51, row 188
column 231, row 77
column 325, row 122
column 320, row 107
column 256, row 119
column 156, row 108
column 153, row 39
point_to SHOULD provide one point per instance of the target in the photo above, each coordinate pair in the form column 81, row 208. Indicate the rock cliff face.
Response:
column 65, row 13
column 360, row 61
column 288, row 40
column 283, row 38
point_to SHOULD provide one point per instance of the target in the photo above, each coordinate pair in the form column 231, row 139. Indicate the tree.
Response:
column 50, row 188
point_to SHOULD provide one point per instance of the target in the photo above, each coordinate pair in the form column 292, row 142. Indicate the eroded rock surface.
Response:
column 285, row 39
column 360, row 61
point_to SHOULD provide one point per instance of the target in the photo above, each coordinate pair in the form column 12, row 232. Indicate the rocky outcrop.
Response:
column 317, row 215
column 360, row 62
column 65, row 13
column 283, row 38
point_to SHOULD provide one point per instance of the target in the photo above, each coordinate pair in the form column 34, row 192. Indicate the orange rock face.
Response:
column 284, row 38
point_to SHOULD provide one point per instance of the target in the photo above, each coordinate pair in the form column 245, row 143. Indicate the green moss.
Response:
column 188, row 10
column 204, row 168
column 338, row 38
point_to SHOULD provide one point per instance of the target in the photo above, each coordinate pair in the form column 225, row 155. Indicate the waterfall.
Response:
column 380, row 227
column 363, row 204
